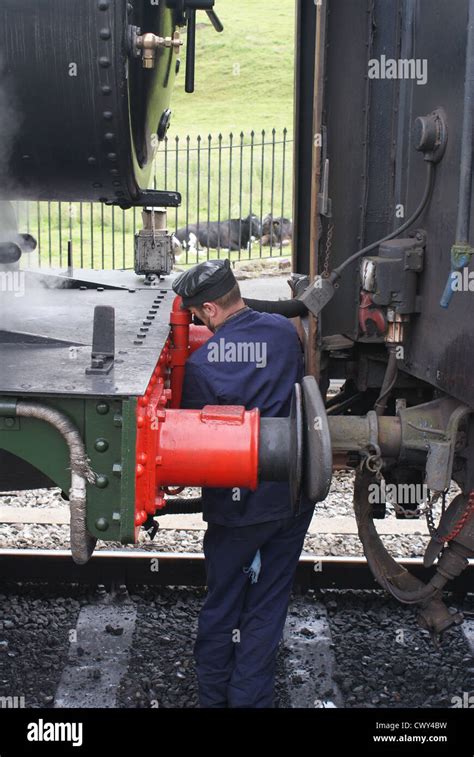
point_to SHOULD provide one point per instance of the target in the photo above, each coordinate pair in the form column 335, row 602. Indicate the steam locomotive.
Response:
column 92, row 364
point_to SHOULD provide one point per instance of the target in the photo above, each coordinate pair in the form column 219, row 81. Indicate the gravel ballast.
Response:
column 381, row 657
column 337, row 504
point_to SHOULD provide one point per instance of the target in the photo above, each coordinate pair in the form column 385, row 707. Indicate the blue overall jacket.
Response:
column 254, row 359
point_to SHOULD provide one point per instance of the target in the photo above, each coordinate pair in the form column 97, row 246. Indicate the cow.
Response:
column 235, row 234
column 178, row 248
column 277, row 231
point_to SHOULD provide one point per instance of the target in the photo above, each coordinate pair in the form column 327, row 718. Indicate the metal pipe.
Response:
column 215, row 21
column 407, row 21
column 430, row 176
column 82, row 543
column 190, row 51
column 180, row 506
column 288, row 308
column 388, row 383
column 348, row 434
column 465, row 174
column 179, row 321
column 353, row 434
column 461, row 251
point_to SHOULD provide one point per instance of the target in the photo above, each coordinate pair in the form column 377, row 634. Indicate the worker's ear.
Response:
column 210, row 308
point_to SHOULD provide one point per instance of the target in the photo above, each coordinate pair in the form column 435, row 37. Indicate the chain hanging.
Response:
column 327, row 255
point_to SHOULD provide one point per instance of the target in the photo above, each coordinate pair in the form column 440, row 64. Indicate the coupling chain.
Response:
column 327, row 255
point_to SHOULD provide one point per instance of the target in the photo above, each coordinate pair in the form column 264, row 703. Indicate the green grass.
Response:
column 244, row 84
column 244, row 76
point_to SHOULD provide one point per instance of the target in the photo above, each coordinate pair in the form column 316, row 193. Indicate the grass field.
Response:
column 244, row 84
column 244, row 76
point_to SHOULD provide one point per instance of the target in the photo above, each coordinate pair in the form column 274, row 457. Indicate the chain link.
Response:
column 327, row 255
column 373, row 462
column 430, row 518
column 425, row 509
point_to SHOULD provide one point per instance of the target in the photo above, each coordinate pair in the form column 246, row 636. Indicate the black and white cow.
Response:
column 235, row 234
column 277, row 230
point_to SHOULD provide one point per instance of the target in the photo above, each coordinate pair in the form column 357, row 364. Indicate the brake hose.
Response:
column 430, row 174
column 288, row 308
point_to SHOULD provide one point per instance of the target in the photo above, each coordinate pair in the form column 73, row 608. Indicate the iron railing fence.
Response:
column 220, row 179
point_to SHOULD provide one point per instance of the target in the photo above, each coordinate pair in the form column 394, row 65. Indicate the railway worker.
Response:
column 253, row 540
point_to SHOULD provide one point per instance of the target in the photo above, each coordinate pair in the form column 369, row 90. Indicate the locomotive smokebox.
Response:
column 79, row 111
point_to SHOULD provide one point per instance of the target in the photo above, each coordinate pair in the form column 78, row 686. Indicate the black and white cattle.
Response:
column 277, row 231
column 235, row 234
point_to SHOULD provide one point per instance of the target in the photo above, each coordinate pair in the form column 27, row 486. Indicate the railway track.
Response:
column 153, row 568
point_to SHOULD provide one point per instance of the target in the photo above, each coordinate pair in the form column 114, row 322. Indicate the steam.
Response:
column 8, row 222
column 8, row 129
column 21, row 295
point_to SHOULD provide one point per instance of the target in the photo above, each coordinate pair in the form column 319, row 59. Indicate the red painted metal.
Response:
column 216, row 446
column 368, row 312
column 198, row 335
column 179, row 353
column 148, row 499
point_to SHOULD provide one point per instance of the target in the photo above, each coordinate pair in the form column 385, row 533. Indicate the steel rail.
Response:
column 140, row 567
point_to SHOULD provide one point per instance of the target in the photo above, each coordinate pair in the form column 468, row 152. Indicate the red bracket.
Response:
column 371, row 317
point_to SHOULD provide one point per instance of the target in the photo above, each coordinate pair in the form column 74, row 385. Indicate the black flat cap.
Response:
column 205, row 282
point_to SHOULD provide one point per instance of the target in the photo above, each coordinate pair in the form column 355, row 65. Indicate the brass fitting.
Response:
column 150, row 43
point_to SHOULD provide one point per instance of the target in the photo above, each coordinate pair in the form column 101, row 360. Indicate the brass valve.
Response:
column 150, row 43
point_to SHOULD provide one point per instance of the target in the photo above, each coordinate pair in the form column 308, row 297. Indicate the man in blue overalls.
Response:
column 253, row 541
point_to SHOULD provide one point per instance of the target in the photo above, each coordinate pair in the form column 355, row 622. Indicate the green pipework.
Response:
column 108, row 429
